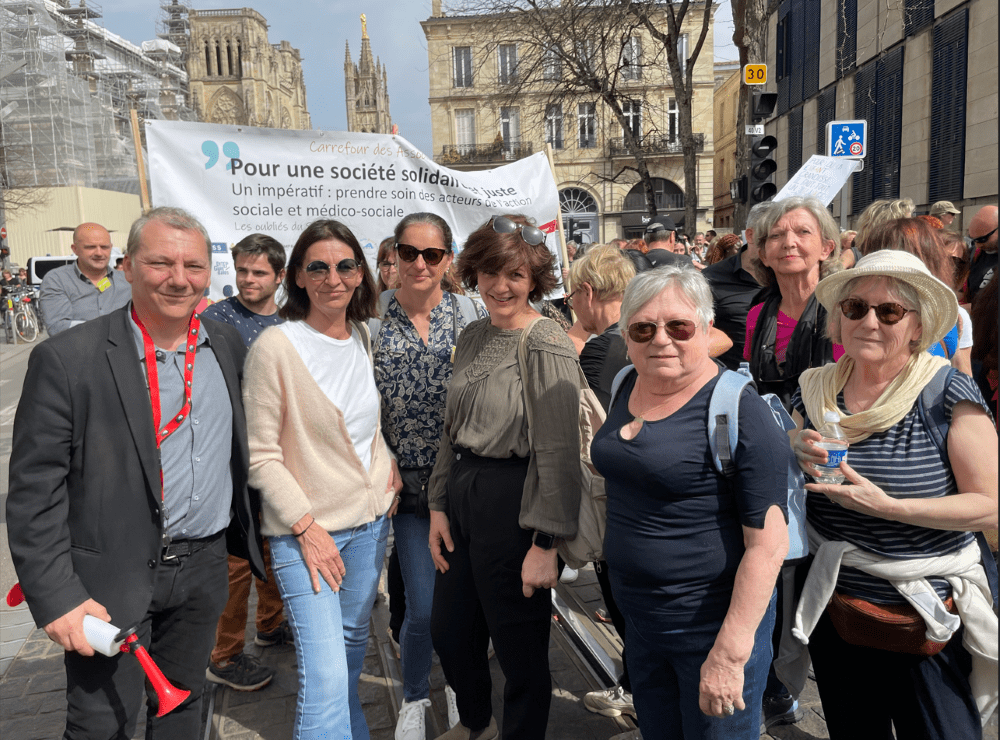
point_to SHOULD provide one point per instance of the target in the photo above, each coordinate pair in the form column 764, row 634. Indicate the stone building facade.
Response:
column 366, row 88
column 727, row 101
column 923, row 73
column 238, row 77
column 475, row 126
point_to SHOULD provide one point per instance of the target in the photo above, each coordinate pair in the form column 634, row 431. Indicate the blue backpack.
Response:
column 723, row 433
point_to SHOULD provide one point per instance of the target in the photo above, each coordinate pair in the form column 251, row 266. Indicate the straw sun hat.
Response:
column 939, row 300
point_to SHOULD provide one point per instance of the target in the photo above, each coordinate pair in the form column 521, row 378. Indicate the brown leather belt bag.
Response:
column 898, row 628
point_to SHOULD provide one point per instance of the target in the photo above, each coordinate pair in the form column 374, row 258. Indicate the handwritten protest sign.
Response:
column 821, row 177
column 240, row 180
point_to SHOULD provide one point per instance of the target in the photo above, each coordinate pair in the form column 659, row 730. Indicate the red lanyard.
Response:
column 153, row 380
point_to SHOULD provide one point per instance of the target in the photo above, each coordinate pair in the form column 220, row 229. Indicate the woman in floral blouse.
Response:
column 413, row 350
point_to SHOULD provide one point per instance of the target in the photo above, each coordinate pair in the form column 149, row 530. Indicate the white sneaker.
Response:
column 412, row 724
column 610, row 703
column 452, row 701
column 569, row 575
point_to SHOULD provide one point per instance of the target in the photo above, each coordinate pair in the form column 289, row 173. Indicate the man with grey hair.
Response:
column 733, row 288
column 129, row 480
column 86, row 289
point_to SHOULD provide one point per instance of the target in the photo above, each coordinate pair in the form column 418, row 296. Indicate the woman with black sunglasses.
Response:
column 692, row 555
column 894, row 544
column 324, row 472
column 413, row 346
column 502, row 494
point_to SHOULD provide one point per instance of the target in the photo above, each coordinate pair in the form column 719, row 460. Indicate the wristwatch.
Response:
column 543, row 540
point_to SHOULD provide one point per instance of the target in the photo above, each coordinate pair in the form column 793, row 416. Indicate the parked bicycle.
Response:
column 19, row 315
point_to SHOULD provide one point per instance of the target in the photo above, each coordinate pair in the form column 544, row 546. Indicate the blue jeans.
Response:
column 331, row 630
column 415, row 562
column 665, row 667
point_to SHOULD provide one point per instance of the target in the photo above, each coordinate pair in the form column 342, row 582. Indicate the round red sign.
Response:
column 856, row 147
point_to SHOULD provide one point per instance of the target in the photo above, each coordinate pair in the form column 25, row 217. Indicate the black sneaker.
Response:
column 779, row 710
column 280, row 635
column 243, row 673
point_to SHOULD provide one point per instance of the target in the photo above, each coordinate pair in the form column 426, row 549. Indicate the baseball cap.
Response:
column 944, row 206
column 662, row 223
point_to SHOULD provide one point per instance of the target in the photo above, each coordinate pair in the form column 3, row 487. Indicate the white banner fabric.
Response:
column 239, row 180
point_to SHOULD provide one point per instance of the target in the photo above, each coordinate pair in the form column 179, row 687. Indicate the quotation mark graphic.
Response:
column 211, row 150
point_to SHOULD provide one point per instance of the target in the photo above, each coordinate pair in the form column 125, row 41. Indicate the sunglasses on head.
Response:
column 984, row 238
column 887, row 313
column 530, row 234
column 644, row 331
column 319, row 270
column 431, row 255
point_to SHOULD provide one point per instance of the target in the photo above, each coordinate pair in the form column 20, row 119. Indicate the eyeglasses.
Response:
column 530, row 234
column 887, row 313
column 387, row 265
column 431, row 255
column 318, row 270
column 984, row 238
column 569, row 297
column 644, row 331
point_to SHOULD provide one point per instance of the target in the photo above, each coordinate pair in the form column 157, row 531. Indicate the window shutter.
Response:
column 810, row 67
column 947, row 146
column 916, row 15
column 794, row 141
column 826, row 110
column 888, row 123
column 864, row 109
column 797, row 58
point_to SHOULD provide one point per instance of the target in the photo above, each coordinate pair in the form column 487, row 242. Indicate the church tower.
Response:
column 366, row 87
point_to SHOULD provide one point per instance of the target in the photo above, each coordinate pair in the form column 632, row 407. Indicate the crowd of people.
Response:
column 438, row 396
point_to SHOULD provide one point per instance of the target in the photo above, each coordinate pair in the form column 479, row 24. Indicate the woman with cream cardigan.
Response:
column 325, row 475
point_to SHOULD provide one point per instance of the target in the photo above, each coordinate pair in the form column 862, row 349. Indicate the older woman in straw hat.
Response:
column 894, row 544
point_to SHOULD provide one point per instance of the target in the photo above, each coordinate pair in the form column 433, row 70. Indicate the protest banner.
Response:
column 239, row 180
column 821, row 177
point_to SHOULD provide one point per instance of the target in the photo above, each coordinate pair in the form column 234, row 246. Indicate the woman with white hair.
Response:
column 798, row 244
column 693, row 555
column 897, row 535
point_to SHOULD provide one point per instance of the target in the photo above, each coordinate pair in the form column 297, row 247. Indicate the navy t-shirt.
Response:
column 246, row 322
column 674, row 538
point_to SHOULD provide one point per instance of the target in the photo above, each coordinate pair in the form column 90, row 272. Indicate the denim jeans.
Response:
column 665, row 665
column 411, row 535
column 331, row 630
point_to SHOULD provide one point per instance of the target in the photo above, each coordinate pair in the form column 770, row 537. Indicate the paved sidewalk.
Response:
column 33, row 705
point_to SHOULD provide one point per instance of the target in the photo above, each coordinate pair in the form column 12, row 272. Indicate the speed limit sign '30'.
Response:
column 755, row 74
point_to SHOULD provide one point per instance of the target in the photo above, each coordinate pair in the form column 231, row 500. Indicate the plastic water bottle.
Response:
column 835, row 443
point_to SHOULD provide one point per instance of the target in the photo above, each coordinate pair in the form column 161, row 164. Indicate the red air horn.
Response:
column 109, row 640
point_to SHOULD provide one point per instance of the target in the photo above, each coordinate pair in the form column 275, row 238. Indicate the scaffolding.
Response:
column 67, row 87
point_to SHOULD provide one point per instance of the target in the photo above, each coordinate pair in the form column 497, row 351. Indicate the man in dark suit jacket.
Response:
column 105, row 521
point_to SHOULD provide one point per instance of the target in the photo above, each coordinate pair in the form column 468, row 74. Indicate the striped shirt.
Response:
column 904, row 462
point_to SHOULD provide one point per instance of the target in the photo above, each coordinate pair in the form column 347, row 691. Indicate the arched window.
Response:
column 579, row 212
column 208, row 60
column 239, row 58
column 669, row 197
column 218, row 59
column 229, row 58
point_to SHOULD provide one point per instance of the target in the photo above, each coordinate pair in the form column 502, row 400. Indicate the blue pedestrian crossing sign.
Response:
column 847, row 139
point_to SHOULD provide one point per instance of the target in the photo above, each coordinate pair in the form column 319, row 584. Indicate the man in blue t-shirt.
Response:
column 260, row 268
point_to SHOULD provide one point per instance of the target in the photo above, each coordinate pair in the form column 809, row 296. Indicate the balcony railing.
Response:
column 484, row 153
column 654, row 144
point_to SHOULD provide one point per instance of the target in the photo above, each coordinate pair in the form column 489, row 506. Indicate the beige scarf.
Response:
column 820, row 386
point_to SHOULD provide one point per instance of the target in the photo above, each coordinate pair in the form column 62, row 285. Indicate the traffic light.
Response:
column 762, row 166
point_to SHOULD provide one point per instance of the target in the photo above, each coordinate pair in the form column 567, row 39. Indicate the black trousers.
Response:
column 104, row 694
column 866, row 692
column 480, row 597
column 617, row 619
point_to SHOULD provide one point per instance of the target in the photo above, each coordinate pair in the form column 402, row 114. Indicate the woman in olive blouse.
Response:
column 498, row 503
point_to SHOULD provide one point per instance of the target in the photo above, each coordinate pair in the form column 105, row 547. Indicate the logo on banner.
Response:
column 211, row 150
column 219, row 247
